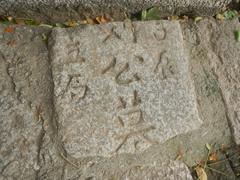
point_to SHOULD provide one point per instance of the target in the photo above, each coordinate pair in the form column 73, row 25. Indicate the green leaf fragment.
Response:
column 46, row 25
column 144, row 14
column 5, row 22
column 237, row 35
column 198, row 18
column 151, row 14
column 230, row 14
column 60, row 25
column 44, row 37
column 30, row 22
column 208, row 146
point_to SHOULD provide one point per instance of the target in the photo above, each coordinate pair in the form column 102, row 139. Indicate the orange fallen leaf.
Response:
column 9, row 29
column 213, row 157
column 102, row 19
column 72, row 23
column 201, row 173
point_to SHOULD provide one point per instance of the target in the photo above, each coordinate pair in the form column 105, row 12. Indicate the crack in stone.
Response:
column 40, row 144
column 62, row 153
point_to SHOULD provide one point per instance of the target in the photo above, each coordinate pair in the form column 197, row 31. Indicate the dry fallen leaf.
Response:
column 9, row 29
column 10, row 18
column 179, row 154
column 209, row 147
column 213, row 157
column 224, row 147
column 220, row 17
column 197, row 19
column 102, row 19
column 83, row 22
column 72, row 23
column 201, row 173
column 20, row 21
column 172, row 18
column 184, row 19
column 90, row 21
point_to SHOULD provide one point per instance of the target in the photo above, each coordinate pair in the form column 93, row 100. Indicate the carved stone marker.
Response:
column 121, row 87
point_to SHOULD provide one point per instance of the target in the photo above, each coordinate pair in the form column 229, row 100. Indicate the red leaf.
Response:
column 9, row 29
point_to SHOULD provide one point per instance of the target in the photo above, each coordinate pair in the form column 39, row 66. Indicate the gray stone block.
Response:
column 165, row 171
column 227, row 69
column 121, row 87
column 216, row 39
column 25, row 97
column 63, row 10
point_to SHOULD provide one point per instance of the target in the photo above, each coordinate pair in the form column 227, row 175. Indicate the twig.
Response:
column 217, row 171
column 205, row 164
column 220, row 161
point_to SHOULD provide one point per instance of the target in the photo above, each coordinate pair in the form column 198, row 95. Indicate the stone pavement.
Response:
column 25, row 100
column 216, row 42
column 116, row 101
column 64, row 10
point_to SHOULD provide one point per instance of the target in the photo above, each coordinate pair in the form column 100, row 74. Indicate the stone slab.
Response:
column 24, row 100
column 64, row 10
column 165, row 171
column 227, row 68
column 121, row 87
column 217, row 41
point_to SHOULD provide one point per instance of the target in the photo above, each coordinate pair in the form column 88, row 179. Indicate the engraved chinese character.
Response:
column 165, row 67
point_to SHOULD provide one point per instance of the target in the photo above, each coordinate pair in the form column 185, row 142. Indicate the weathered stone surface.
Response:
column 62, row 10
column 25, row 97
column 165, row 171
column 217, row 43
column 121, row 87
column 227, row 68
column 30, row 149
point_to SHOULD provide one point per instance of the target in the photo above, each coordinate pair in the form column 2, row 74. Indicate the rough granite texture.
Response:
column 172, row 170
column 24, row 100
column 31, row 145
column 216, row 40
column 62, row 10
column 121, row 87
